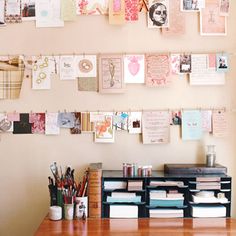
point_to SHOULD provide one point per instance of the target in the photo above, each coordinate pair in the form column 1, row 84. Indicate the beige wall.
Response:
column 25, row 159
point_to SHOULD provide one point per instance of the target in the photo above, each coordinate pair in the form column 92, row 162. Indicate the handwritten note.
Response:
column 156, row 127
column 191, row 125
column 157, row 70
column 219, row 123
column 202, row 75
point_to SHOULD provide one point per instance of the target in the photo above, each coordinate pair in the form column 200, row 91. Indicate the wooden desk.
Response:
column 141, row 227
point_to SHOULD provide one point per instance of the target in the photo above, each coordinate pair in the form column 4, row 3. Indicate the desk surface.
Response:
column 141, row 227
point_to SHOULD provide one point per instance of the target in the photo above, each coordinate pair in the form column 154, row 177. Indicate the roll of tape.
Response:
column 55, row 213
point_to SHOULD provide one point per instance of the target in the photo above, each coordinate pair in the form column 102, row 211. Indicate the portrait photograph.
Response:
column 185, row 63
column 158, row 14
column 28, row 9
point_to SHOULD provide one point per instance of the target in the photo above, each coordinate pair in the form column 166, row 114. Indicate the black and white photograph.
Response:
column 222, row 62
column 192, row 5
column 185, row 63
column 158, row 14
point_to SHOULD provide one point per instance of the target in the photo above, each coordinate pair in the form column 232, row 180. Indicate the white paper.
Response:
column 97, row 117
column 134, row 68
column 156, row 127
column 86, row 66
column 134, row 123
column 48, row 13
column 51, row 127
column 202, row 75
column 13, row 7
column 67, row 68
column 2, row 13
column 42, row 70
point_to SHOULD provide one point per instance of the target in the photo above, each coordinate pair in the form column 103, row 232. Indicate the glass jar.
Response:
column 210, row 156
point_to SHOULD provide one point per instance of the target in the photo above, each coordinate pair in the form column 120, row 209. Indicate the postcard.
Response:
column 211, row 23
column 177, row 20
column 120, row 120
column 202, row 74
column 23, row 126
column 206, row 120
column 224, row 7
column 86, row 124
column 116, row 12
column 92, row 7
column 191, row 125
column 219, row 123
column 131, row 10
column 67, row 67
column 135, row 122
column 51, row 127
column 88, row 84
column 222, row 62
column 185, row 63
column 192, row 5
column 77, row 125
column 158, row 14
column 111, row 79
column 11, row 76
column 134, row 67
column 157, row 70
column 175, row 63
column 104, row 132
column 156, row 127
column 48, row 13
column 6, row 125
column 176, row 117
column 37, row 121
column 2, row 13
column 86, row 66
column 66, row 120
column 211, row 60
column 13, row 11
column 68, row 10
column 41, row 74
column 28, row 10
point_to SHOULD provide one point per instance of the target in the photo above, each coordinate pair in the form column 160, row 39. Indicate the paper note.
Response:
column 104, row 132
column 120, row 121
column 41, row 74
column 219, row 123
column 28, row 10
column 191, row 125
column 156, row 127
column 2, row 13
column 211, row 23
column 68, row 10
column 111, row 74
column 175, row 63
column 67, row 68
column 15, row 116
column 202, row 75
column 206, row 120
column 211, row 60
column 77, row 125
column 135, row 123
column 97, row 116
column 48, row 13
column 51, row 127
column 13, row 11
column 92, row 7
column 177, row 20
column 116, row 12
column 157, row 70
column 134, row 68
column 86, row 125
column 37, row 121
column 86, row 66
column 131, row 10
column 158, row 14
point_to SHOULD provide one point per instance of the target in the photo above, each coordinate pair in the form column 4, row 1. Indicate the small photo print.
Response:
column 185, row 63
column 28, row 9
column 222, row 62
column 224, row 7
column 176, row 118
column 192, row 5
column 158, row 14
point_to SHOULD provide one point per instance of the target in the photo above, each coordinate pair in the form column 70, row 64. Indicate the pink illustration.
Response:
column 116, row 5
column 134, row 65
column 212, row 60
column 37, row 121
column 175, row 63
column 131, row 10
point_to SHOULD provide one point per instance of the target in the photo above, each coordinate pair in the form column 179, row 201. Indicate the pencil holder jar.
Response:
column 69, row 211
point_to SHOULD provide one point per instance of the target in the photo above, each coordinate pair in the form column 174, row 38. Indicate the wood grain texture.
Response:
column 142, row 227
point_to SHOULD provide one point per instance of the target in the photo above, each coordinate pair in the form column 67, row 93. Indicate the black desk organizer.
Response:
column 188, row 189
